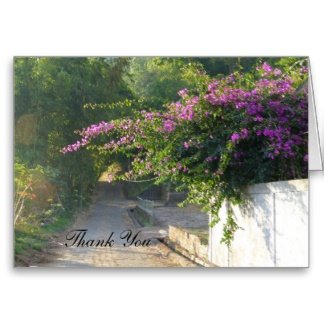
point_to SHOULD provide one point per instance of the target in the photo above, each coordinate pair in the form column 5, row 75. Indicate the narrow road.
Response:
column 108, row 214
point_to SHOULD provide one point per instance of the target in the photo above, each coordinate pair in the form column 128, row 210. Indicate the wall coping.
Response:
column 278, row 186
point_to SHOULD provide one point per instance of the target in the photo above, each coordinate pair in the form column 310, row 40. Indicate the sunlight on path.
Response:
column 109, row 214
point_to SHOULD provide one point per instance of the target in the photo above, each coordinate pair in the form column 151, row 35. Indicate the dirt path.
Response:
column 108, row 214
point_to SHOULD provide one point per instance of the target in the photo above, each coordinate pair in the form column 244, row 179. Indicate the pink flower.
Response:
column 169, row 125
column 266, row 67
column 258, row 119
column 149, row 116
column 244, row 133
column 304, row 70
column 193, row 101
column 212, row 86
column 183, row 93
column 210, row 159
column 187, row 113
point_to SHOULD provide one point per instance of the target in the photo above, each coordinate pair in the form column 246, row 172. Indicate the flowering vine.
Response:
column 232, row 132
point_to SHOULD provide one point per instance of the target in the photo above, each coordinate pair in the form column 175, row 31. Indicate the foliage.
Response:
column 35, row 189
column 50, row 95
column 156, row 79
column 29, row 237
column 223, row 134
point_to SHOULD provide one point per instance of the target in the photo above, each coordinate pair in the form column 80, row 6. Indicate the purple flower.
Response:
column 241, row 105
column 210, row 159
column 283, row 86
column 244, row 133
column 169, row 126
column 183, row 93
column 304, row 70
column 212, row 86
column 268, row 132
column 193, row 101
column 186, row 145
column 235, row 137
column 95, row 130
column 178, row 105
column 254, row 108
column 266, row 67
column 258, row 118
column 88, row 133
column 187, row 113
column 274, row 104
column 230, row 78
column 211, row 98
column 149, row 116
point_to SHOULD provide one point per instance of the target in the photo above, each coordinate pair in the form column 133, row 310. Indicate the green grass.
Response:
column 60, row 224
column 27, row 241
column 31, row 237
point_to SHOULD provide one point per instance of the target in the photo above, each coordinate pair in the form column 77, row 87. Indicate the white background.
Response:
column 159, row 28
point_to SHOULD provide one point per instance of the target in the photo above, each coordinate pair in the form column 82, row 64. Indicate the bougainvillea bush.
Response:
column 219, row 137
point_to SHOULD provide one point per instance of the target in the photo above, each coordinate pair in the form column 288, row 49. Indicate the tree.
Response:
column 50, row 94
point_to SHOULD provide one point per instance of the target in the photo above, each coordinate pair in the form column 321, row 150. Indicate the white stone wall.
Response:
column 274, row 222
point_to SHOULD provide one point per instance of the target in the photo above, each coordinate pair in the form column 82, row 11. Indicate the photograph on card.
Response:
column 161, row 162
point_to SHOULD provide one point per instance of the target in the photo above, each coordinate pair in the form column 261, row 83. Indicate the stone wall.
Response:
column 274, row 228
column 190, row 242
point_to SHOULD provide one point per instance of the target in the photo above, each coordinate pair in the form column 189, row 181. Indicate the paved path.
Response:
column 109, row 214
